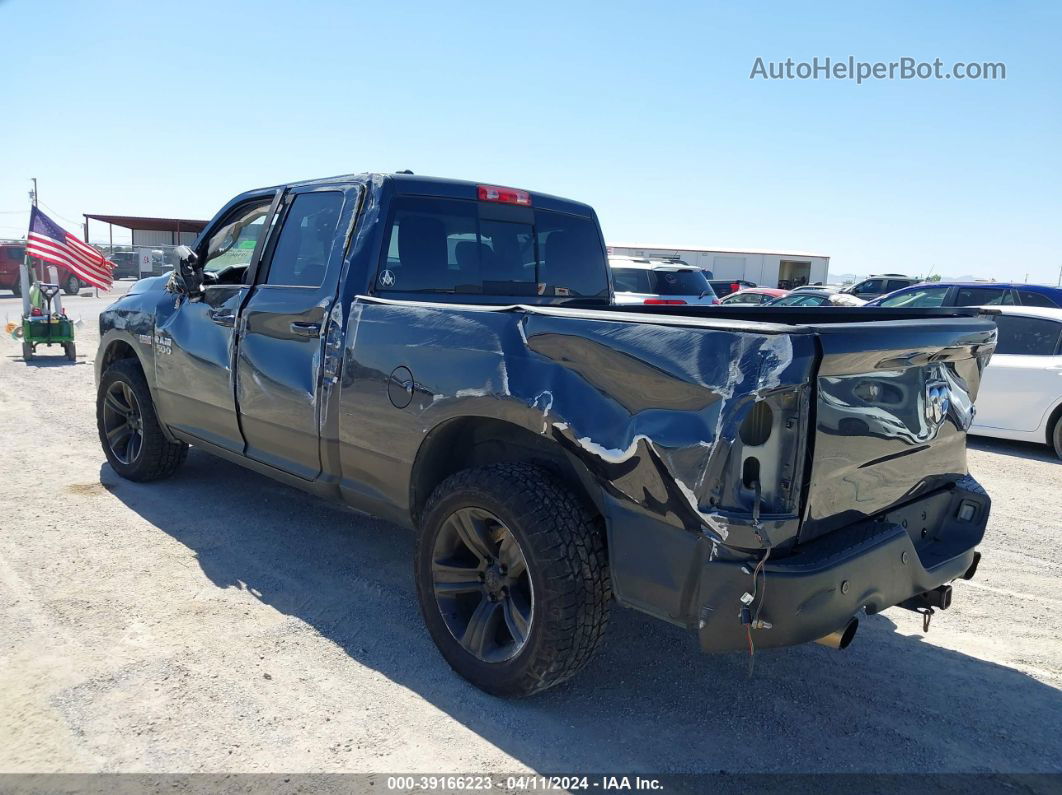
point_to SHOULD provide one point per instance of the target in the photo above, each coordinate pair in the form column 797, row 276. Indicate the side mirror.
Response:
column 187, row 277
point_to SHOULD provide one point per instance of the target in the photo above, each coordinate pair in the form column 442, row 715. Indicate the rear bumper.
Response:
column 870, row 565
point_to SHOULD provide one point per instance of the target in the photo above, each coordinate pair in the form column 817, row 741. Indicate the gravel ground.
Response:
column 219, row 622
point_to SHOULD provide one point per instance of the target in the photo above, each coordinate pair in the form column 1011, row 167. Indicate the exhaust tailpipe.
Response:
column 842, row 638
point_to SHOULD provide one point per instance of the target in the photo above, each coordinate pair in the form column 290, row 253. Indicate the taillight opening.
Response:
column 495, row 193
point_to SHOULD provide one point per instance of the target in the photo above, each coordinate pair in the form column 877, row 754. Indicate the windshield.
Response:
column 684, row 282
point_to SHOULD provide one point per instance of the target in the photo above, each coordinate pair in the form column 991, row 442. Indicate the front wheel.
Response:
column 1056, row 436
column 132, row 439
column 512, row 578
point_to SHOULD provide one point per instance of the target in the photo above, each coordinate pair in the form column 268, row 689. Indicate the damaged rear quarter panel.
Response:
column 650, row 407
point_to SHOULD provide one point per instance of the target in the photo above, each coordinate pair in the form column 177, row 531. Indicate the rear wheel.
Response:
column 16, row 288
column 1056, row 436
column 27, row 350
column 72, row 285
column 129, row 429
column 71, row 351
column 512, row 578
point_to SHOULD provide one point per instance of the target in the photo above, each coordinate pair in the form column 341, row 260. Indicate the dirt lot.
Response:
column 221, row 622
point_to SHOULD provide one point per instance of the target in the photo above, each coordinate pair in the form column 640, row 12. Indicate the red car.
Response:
column 754, row 296
column 11, row 255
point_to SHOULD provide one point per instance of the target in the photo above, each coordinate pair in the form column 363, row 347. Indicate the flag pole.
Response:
column 23, row 271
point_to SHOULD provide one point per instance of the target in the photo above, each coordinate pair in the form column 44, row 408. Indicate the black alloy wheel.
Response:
column 481, row 585
column 123, row 422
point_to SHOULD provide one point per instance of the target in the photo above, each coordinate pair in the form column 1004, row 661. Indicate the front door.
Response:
column 278, row 374
column 194, row 340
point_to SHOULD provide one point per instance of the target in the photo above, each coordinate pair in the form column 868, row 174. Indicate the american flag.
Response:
column 51, row 243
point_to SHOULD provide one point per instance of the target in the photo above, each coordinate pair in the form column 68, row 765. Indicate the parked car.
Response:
column 724, row 287
column 126, row 264
column 649, row 281
column 11, row 256
column 830, row 288
column 754, row 295
column 930, row 294
column 871, row 288
column 804, row 297
column 1021, row 389
column 448, row 356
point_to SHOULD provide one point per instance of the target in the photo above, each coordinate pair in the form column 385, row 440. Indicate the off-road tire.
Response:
column 27, row 350
column 70, row 349
column 158, row 457
column 564, row 548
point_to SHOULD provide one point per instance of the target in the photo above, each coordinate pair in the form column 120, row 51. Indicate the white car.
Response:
column 1021, row 389
column 653, row 281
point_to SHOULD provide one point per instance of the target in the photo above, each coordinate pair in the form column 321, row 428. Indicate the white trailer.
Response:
column 785, row 269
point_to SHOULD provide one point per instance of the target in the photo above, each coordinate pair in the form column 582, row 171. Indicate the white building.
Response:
column 785, row 269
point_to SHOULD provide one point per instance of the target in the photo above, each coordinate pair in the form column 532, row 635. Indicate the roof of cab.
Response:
column 418, row 185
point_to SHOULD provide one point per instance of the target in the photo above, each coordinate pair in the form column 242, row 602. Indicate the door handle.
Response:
column 223, row 318
column 306, row 329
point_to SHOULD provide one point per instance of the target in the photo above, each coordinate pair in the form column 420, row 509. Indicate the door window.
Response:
column 232, row 246
column 896, row 284
column 304, row 246
column 871, row 286
column 1028, row 336
column 630, row 280
column 1029, row 298
column 983, row 296
column 920, row 298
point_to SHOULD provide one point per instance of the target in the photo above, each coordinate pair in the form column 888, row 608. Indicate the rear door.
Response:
column 278, row 370
column 1024, row 379
column 895, row 400
column 982, row 296
column 871, row 288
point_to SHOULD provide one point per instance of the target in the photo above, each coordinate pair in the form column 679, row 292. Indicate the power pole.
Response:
column 33, row 196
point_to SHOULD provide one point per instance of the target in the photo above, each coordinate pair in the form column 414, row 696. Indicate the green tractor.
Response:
column 44, row 321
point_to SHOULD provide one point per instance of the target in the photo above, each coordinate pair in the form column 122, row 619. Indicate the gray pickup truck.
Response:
column 446, row 355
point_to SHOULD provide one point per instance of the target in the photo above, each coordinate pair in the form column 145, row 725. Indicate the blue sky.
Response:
column 644, row 110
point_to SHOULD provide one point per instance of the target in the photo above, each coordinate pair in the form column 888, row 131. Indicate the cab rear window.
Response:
column 468, row 248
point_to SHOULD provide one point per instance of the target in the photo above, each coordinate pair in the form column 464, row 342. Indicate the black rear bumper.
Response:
column 871, row 565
